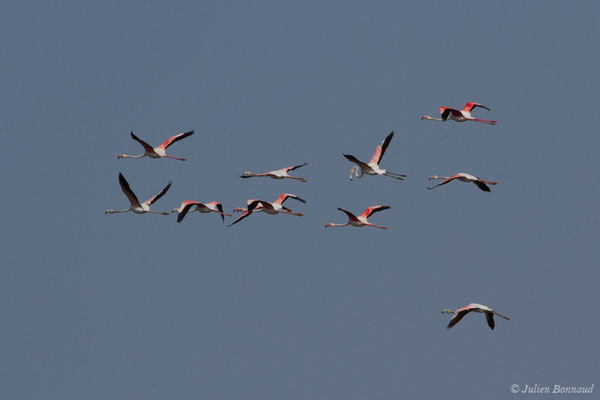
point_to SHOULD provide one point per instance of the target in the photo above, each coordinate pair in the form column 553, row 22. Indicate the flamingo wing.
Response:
column 220, row 208
column 145, row 145
column 349, row 214
column 175, row 138
column 353, row 159
column 372, row 210
column 295, row 167
column 158, row 195
column 284, row 196
column 490, row 319
column 458, row 315
column 133, row 200
column 380, row 150
column 468, row 107
column 481, row 185
column 252, row 205
column 186, row 206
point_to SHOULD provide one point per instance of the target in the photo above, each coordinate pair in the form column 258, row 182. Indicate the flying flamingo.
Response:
column 461, row 312
column 160, row 150
column 186, row 206
column 136, row 207
column 461, row 176
column 361, row 220
column 272, row 208
column 277, row 174
column 372, row 168
column 460, row 115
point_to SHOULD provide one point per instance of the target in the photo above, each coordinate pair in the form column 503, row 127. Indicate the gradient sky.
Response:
column 132, row 306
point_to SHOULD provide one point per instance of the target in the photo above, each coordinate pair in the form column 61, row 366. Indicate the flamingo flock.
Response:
column 254, row 206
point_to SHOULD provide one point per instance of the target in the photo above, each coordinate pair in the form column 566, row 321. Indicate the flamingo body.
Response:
column 135, row 205
column 282, row 173
column 272, row 208
column 463, row 177
column 459, row 313
column 159, row 151
column 461, row 115
column 361, row 220
column 191, row 206
column 372, row 167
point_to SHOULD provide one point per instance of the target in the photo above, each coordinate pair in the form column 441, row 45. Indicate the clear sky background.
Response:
column 129, row 306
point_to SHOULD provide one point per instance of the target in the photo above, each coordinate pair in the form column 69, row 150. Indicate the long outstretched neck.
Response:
column 117, row 211
column 431, row 118
column 128, row 156
column 332, row 225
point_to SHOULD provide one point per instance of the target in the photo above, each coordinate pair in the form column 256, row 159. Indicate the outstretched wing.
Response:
column 284, row 196
column 373, row 210
column 187, row 205
column 380, row 150
column 353, row 159
column 133, row 200
column 457, row 317
column 349, row 214
column 145, row 145
column 293, row 168
column 175, row 138
column 251, row 206
column 490, row 320
column 468, row 107
column 158, row 196
column 481, row 185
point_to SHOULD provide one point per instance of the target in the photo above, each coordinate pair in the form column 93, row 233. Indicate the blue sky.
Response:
column 136, row 306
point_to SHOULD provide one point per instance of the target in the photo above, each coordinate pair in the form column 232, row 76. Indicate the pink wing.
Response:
column 185, row 208
column 372, row 210
column 173, row 139
column 284, row 196
column 158, row 196
column 380, row 150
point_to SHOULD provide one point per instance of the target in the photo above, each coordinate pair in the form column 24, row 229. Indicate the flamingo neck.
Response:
column 128, row 156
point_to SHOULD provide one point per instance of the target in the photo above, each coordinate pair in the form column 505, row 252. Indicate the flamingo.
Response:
column 186, row 206
column 464, row 177
column 277, row 174
column 361, row 220
column 158, row 151
column 136, row 207
column 372, row 168
column 480, row 308
column 275, row 207
column 461, row 115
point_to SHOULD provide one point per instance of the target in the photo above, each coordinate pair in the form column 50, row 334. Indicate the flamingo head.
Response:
column 120, row 156
column 175, row 210
column 328, row 224
column 246, row 174
column 447, row 311
column 425, row 117
column 434, row 177
column 239, row 209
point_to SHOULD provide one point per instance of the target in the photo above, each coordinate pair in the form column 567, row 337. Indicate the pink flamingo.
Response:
column 480, row 308
column 186, row 206
column 136, row 207
column 361, row 220
column 272, row 208
column 160, row 150
column 372, row 168
column 277, row 174
column 461, row 115
column 464, row 177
